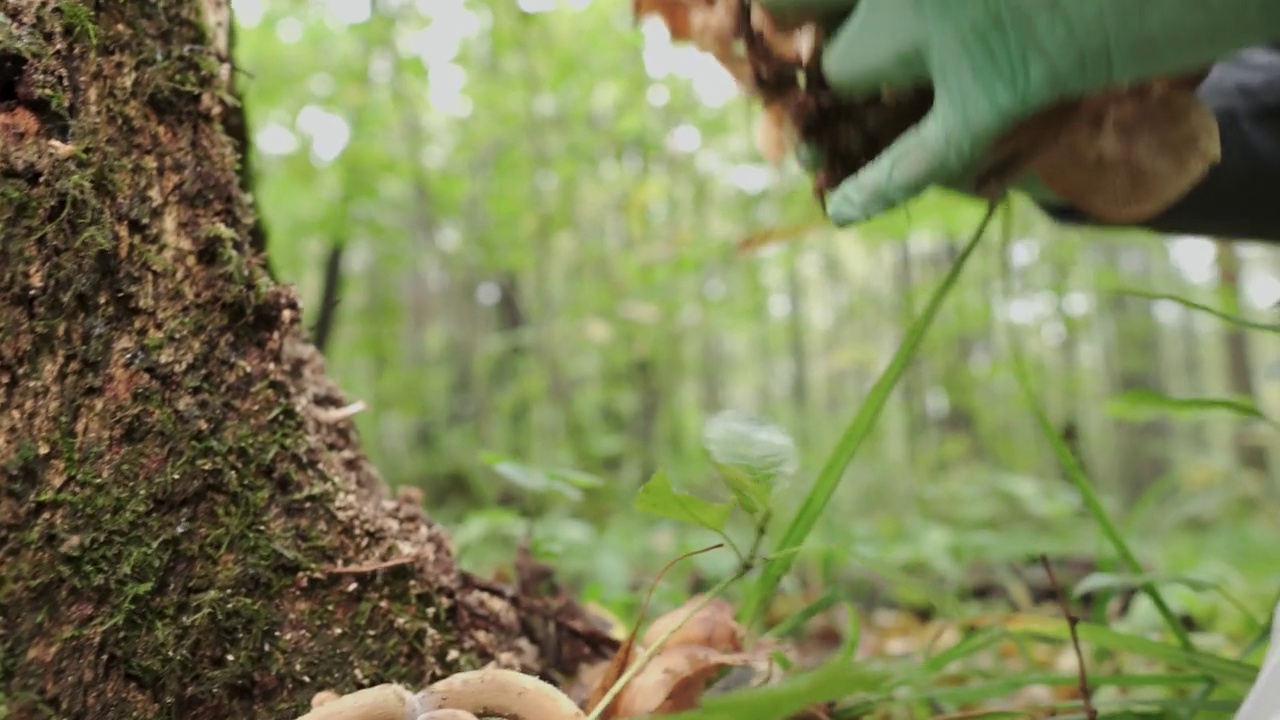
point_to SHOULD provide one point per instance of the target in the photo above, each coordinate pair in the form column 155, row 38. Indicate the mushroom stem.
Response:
column 502, row 693
column 447, row 714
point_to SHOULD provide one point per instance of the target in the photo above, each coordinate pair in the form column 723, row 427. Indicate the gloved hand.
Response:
column 995, row 62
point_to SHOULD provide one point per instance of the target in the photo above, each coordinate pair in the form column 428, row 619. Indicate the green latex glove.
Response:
column 995, row 62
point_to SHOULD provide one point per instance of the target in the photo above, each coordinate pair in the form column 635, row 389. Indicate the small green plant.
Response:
column 752, row 459
column 855, row 434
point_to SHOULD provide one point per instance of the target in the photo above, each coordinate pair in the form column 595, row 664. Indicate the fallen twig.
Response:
column 1089, row 710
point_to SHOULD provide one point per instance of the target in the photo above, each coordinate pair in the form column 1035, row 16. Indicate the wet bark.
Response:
column 188, row 527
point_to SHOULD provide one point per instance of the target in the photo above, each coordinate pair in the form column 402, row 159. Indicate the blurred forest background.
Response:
column 518, row 228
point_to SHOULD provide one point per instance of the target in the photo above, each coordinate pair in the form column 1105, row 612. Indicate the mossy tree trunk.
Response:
column 188, row 527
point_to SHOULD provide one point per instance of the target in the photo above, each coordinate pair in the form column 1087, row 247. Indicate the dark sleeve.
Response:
column 1240, row 197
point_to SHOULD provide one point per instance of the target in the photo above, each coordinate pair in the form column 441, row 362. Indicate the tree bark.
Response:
column 188, row 527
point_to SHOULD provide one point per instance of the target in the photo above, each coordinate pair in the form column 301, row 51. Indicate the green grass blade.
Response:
column 1227, row 317
column 854, row 435
column 1071, row 466
column 968, row 647
column 804, row 615
column 1140, row 404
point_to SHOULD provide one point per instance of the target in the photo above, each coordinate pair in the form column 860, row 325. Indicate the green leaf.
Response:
column 855, row 434
column 757, row 447
column 752, row 456
column 529, row 478
column 576, row 478
column 751, row 493
column 1142, row 404
column 759, row 450
column 658, row 497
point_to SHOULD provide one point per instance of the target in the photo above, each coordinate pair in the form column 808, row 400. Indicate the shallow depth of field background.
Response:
column 532, row 209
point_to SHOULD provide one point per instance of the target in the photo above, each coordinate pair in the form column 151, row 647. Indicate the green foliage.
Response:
column 562, row 482
column 1140, row 404
column 537, row 207
column 658, row 497
column 857, row 432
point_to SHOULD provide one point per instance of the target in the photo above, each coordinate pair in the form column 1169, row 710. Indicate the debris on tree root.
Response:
column 1122, row 155
column 565, row 633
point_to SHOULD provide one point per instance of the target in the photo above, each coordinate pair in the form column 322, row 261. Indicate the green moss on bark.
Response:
column 173, row 495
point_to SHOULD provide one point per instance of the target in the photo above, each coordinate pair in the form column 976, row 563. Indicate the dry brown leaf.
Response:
column 712, row 626
column 629, row 651
column 714, row 29
column 771, row 133
column 714, row 26
column 674, row 680
column 794, row 44
column 612, row 672
column 674, row 13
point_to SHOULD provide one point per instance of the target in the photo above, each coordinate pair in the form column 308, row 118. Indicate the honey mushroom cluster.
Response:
column 1122, row 155
column 488, row 692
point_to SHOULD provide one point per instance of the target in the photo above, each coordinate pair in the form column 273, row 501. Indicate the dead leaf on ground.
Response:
column 674, row 680
column 712, row 626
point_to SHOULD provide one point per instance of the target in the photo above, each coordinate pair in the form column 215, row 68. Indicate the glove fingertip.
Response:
column 927, row 154
column 850, row 204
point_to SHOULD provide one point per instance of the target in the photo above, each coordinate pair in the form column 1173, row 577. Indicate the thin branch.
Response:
column 1089, row 710
column 323, row 327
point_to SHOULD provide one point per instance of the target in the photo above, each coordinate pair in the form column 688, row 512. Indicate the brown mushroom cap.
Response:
column 502, row 693
column 381, row 702
column 1127, row 156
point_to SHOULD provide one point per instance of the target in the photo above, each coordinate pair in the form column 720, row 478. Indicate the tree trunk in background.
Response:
column 796, row 335
column 912, row 387
column 509, row 371
column 1193, row 370
column 1251, row 455
column 1142, row 447
column 177, row 484
column 954, row 376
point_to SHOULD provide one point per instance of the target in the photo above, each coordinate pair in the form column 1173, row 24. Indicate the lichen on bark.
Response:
column 175, row 491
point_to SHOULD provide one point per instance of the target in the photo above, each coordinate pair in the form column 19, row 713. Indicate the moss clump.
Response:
column 78, row 22
column 167, row 510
